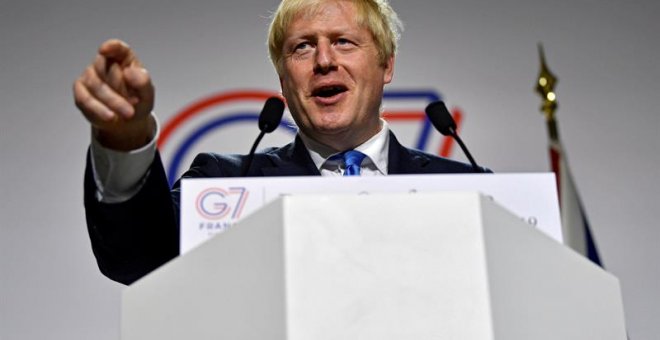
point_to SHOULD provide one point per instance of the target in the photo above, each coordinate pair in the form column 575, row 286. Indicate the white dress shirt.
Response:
column 376, row 149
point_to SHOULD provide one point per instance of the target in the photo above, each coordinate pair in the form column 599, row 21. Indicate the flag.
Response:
column 575, row 226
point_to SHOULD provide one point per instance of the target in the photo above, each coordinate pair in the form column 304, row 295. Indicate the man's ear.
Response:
column 281, row 93
column 389, row 70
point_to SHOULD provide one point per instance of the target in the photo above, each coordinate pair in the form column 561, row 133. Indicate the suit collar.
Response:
column 293, row 160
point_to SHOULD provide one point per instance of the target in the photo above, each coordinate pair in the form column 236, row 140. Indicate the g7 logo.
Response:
column 218, row 203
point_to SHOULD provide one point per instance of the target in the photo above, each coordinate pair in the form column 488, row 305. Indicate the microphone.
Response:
column 269, row 119
column 271, row 115
column 445, row 124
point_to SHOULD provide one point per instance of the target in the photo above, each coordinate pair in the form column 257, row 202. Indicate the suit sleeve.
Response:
column 132, row 238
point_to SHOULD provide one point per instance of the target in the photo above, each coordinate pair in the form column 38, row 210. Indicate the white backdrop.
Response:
column 480, row 54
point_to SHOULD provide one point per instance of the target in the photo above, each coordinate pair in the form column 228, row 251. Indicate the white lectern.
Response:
column 391, row 266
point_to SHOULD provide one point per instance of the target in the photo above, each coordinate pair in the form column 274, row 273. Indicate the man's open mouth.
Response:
column 329, row 91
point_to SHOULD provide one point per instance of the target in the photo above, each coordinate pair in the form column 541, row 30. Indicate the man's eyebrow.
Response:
column 334, row 32
column 304, row 35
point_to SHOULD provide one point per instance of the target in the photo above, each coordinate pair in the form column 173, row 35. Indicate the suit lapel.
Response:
column 290, row 160
column 402, row 161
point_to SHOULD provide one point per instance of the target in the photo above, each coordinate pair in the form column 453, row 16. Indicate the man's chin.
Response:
column 338, row 137
column 330, row 131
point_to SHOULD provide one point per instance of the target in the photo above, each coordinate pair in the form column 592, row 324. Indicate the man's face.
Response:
column 332, row 78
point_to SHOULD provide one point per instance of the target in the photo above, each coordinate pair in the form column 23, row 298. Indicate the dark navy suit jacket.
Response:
column 132, row 238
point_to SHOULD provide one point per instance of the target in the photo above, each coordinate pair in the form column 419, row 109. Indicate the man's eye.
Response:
column 342, row 41
column 345, row 44
column 302, row 46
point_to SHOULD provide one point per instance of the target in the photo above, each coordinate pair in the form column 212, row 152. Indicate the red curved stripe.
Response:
column 404, row 115
column 205, row 103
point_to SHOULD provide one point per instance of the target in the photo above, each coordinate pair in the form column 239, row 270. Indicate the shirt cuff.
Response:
column 120, row 175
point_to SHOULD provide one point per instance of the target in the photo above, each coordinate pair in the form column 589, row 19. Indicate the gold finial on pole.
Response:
column 545, row 86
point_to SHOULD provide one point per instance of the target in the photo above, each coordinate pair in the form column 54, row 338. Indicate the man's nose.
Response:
column 324, row 60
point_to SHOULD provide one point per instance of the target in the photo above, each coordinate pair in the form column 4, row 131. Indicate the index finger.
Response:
column 120, row 52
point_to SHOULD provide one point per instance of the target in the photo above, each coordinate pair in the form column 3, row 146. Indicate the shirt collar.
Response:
column 376, row 149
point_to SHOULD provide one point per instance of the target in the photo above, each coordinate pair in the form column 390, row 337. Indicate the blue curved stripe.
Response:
column 429, row 95
column 206, row 128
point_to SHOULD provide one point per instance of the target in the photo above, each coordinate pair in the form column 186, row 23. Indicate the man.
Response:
column 333, row 59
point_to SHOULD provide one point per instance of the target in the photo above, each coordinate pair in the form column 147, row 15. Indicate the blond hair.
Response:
column 375, row 15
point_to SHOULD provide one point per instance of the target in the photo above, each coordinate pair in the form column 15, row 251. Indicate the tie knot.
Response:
column 353, row 160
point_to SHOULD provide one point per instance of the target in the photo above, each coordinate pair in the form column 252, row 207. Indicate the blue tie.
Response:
column 352, row 161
